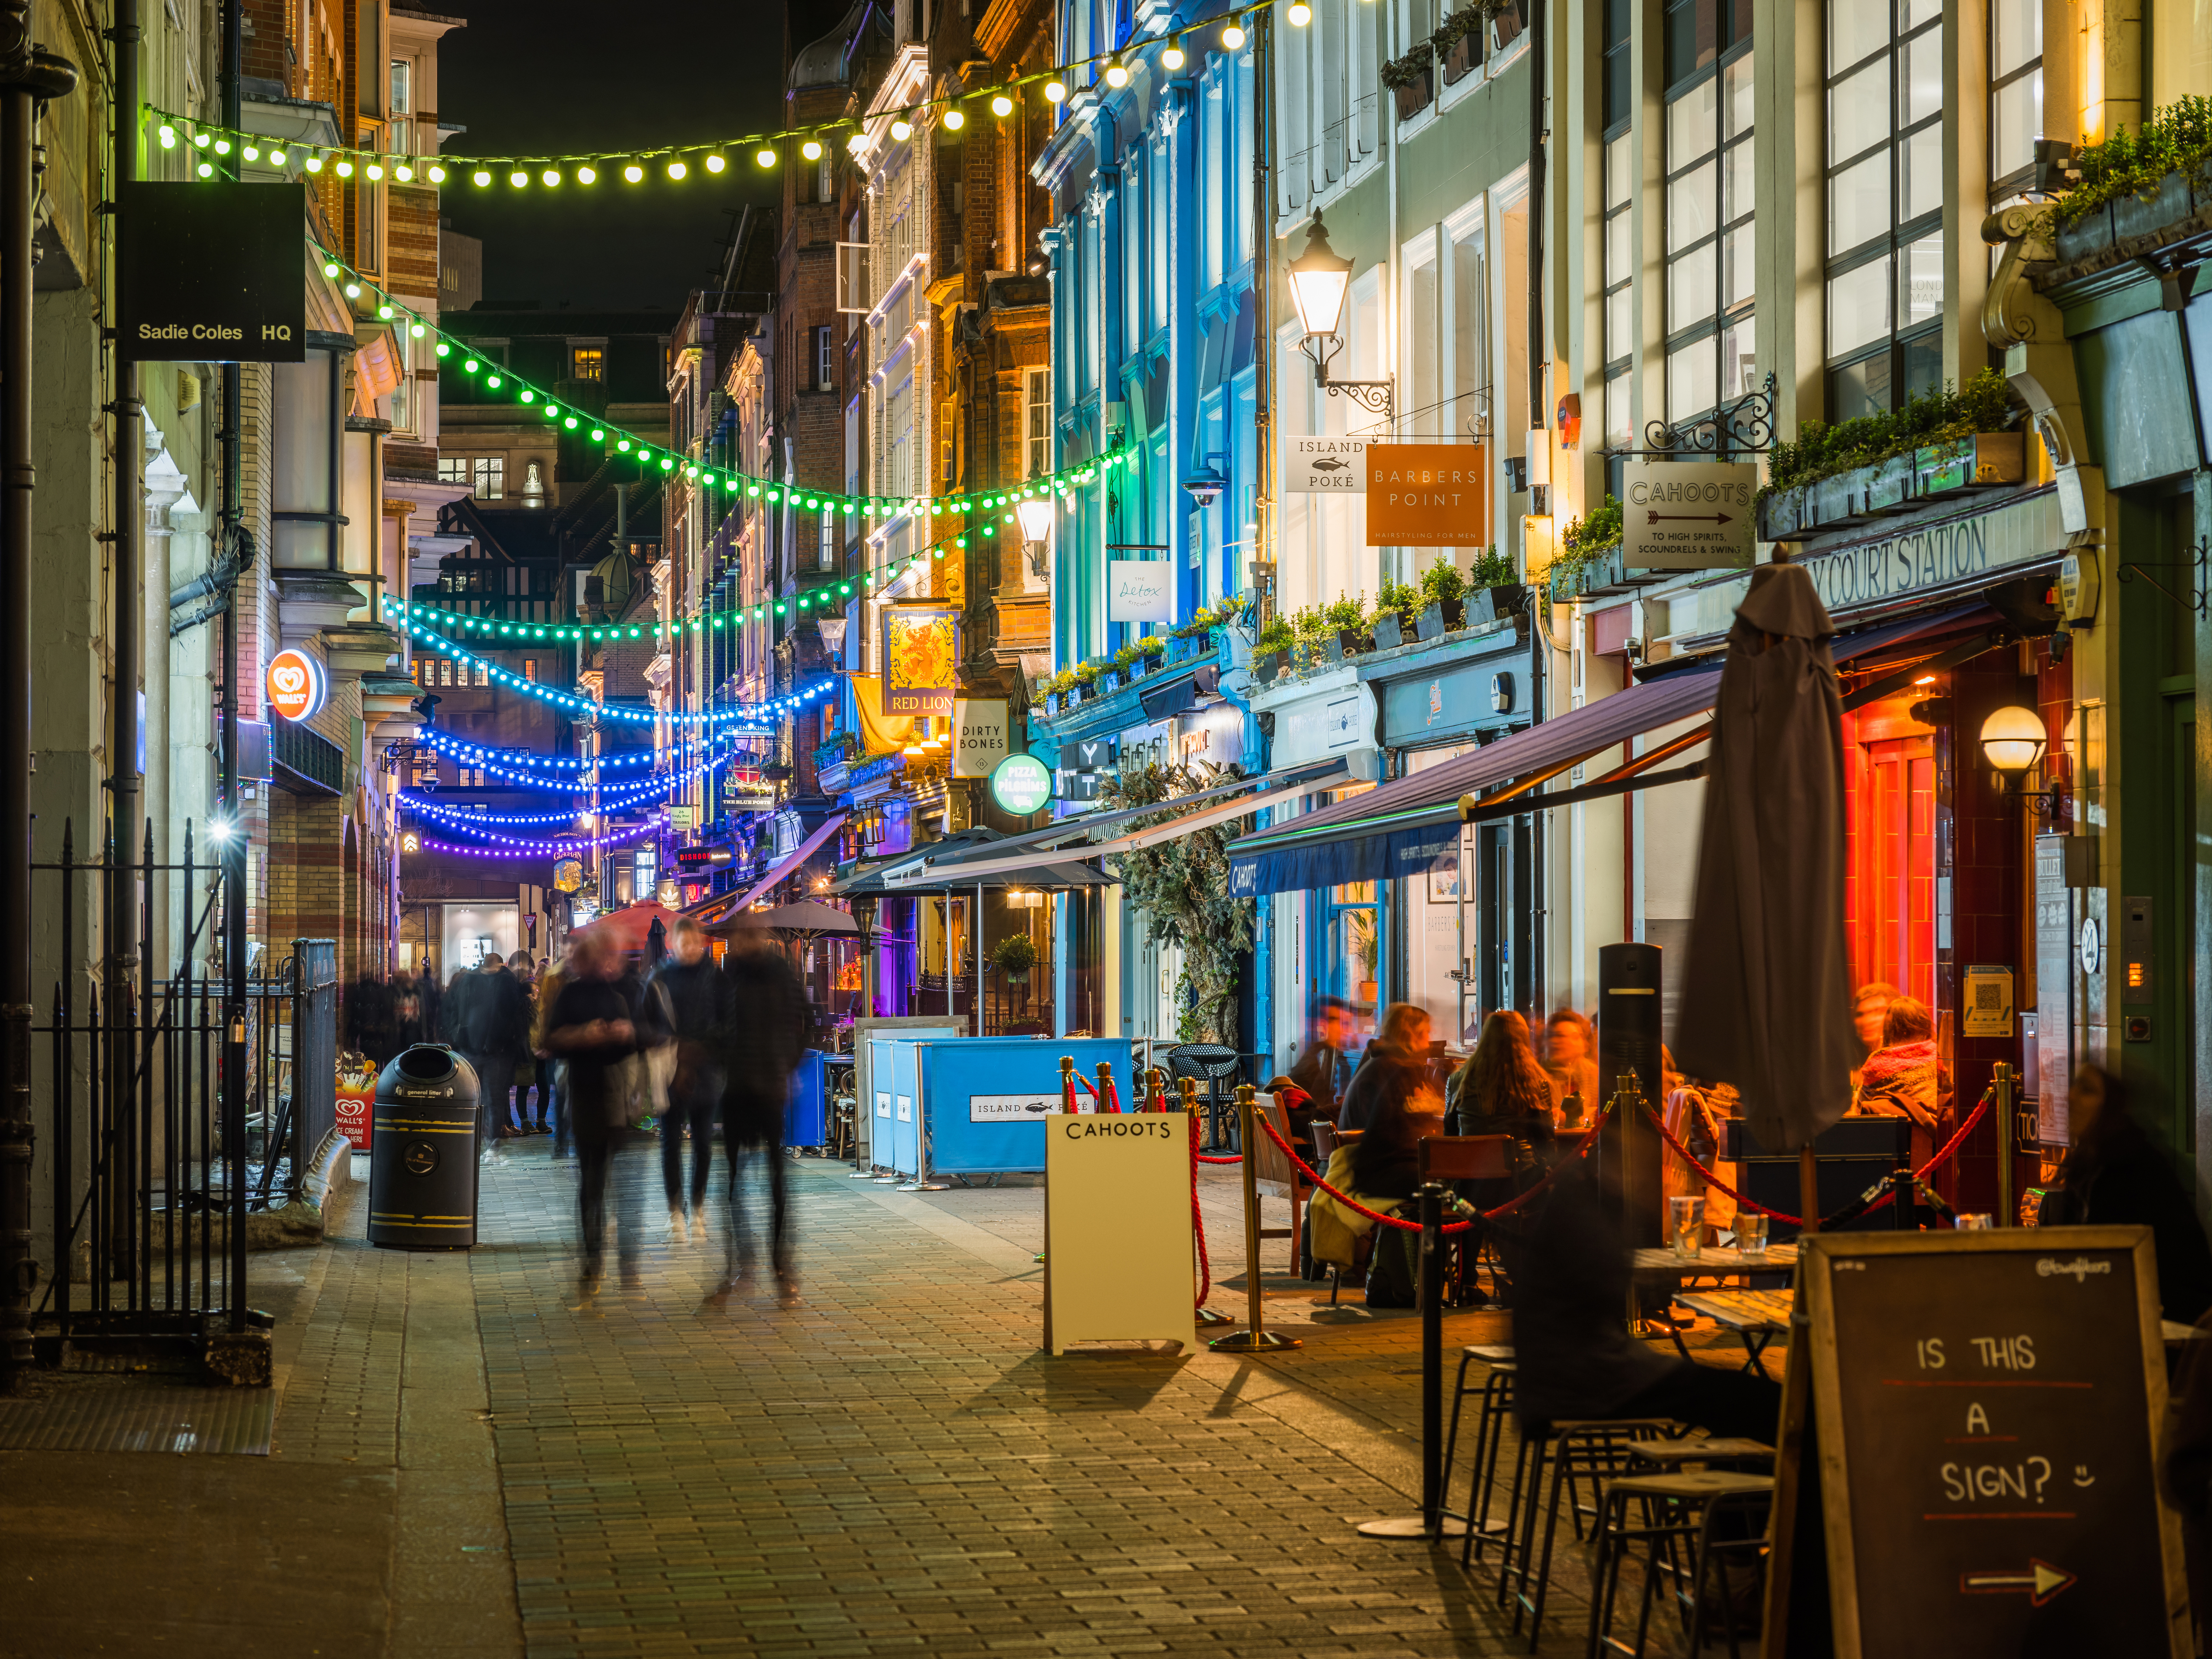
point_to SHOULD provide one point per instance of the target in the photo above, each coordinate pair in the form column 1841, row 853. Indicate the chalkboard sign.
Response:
column 1985, row 1407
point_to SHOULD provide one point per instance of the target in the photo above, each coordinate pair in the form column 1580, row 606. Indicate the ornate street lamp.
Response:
column 1320, row 279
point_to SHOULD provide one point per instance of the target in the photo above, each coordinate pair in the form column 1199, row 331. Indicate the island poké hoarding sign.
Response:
column 921, row 654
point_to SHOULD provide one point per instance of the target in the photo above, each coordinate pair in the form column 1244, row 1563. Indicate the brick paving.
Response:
column 895, row 1467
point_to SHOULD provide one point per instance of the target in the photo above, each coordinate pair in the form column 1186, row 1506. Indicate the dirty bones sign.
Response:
column 212, row 273
column 1688, row 515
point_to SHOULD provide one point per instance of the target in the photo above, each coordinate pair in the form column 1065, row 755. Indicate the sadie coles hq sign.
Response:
column 212, row 272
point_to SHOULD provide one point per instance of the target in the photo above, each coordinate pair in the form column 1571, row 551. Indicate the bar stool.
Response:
column 1497, row 1393
column 1679, row 1509
column 1577, row 1449
column 1697, row 1451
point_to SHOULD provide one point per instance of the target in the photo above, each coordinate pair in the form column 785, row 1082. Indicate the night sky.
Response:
column 537, row 77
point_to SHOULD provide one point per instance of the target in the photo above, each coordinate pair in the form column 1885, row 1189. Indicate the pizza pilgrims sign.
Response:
column 296, row 685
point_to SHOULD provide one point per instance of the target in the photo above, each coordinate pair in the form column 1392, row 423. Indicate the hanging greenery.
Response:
column 1181, row 885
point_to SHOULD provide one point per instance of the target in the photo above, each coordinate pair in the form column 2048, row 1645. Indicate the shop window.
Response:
column 1890, row 768
column 483, row 673
column 529, row 669
column 2015, row 93
column 1885, row 181
column 1037, row 406
column 587, row 363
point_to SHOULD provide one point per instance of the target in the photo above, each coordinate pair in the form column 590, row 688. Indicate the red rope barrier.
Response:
column 1203, row 1159
column 1589, row 1139
column 1919, row 1175
column 1198, row 1226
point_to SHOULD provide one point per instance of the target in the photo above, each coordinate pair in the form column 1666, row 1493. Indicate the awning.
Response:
column 1308, row 780
column 1401, row 828
column 807, row 849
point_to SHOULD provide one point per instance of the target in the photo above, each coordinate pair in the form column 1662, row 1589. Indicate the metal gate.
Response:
column 150, row 1193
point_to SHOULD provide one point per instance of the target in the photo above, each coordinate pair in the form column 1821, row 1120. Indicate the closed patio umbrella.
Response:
column 1766, row 991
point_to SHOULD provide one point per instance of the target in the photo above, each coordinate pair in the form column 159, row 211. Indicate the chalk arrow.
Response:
column 2038, row 1584
column 1689, row 518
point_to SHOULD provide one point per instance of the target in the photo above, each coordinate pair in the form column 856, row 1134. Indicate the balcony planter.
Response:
column 1506, row 24
column 1835, row 503
column 2146, row 216
column 1983, row 461
column 1508, row 599
column 2090, row 234
column 1415, row 95
column 1071, row 699
column 1266, row 666
column 1889, row 485
column 1339, row 643
column 1438, row 618
column 1390, row 631
column 1108, row 683
column 1781, row 513
column 1463, row 57
column 1051, row 705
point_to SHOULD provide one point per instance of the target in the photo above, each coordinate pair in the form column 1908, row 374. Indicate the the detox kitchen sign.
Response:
column 212, row 273
column 1140, row 590
column 1688, row 515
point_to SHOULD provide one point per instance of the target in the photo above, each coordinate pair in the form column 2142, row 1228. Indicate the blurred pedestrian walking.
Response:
column 552, row 1070
column 592, row 1026
column 768, row 1032
column 690, row 992
column 489, row 1018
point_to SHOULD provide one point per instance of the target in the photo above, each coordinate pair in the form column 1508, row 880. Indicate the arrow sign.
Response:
column 2038, row 1584
column 1689, row 518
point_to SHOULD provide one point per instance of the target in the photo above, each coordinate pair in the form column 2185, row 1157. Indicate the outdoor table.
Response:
column 1713, row 1263
column 1757, row 1317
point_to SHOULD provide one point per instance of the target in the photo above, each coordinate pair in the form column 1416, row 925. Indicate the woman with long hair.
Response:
column 1906, row 1077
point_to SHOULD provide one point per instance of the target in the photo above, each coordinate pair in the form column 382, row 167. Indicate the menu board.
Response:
column 1985, row 1407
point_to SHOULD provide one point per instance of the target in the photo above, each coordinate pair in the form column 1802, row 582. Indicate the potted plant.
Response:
column 1444, row 589
column 1396, row 605
column 1459, row 42
column 1014, row 956
column 1085, row 682
column 1344, row 630
column 1153, row 650
column 1269, row 651
column 1307, row 623
column 1411, row 79
column 1129, row 662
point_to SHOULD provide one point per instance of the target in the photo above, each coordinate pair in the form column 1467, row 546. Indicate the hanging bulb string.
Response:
column 626, row 794
column 510, row 847
column 995, row 505
column 538, row 765
column 713, row 158
column 775, row 708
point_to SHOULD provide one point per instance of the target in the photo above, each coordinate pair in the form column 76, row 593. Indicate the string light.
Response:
column 676, row 160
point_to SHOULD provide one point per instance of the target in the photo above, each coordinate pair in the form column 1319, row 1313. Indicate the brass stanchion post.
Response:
column 2001, row 1082
column 1256, row 1336
column 1108, row 1101
column 1207, row 1317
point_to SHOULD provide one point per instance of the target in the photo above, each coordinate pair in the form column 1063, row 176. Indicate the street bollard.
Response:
column 1255, row 1337
column 1207, row 1317
column 1431, row 1523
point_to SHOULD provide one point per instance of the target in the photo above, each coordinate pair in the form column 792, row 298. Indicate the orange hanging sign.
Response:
column 296, row 684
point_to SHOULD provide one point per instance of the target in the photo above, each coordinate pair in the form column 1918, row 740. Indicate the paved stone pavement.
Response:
column 467, row 1462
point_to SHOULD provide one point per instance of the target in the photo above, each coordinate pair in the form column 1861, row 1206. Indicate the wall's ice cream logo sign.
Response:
column 296, row 686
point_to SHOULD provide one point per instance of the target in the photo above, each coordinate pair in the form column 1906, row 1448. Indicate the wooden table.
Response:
column 1757, row 1317
column 1711, row 1263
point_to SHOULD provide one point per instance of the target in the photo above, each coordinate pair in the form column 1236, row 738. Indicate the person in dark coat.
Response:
column 1402, row 1044
column 593, row 1025
column 491, row 1028
column 1322, row 1071
column 2116, row 1176
column 373, row 1018
column 692, row 992
column 1406, row 1108
column 428, row 1011
column 767, row 1034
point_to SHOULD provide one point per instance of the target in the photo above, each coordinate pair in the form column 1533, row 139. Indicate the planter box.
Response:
column 1051, row 705
column 2090, row 234
column 1415, row 97
column 1266, row 666
column 1151, row 664
column 1342, row 643
column 1889, row 484
column 1506, row 26
column 1835, row 503
column 1440, row 618
column 1072, row 699
column 1108, row 683
column 1982, row 462
column 1463, row 58
column 1390, row 631
column 2146, row 216
column 1781, row 513
column 1508, row 599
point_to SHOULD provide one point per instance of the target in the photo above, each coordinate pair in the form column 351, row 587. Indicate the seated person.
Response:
column 1401, row 1047
column 1906, row 1077
column 1575, row 1355
column 1386, row 1165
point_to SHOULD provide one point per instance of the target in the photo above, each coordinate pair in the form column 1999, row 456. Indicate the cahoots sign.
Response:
column 296, row 685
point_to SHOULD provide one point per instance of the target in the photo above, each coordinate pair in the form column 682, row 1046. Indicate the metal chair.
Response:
column 1464, row 1158
column 1214, row 1065
column 1584, row 1450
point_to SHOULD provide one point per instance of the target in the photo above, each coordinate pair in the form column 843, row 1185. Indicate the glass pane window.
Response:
column 1619, row 413
column 1885, row 196
column 1619, row 247
column 1711, row 200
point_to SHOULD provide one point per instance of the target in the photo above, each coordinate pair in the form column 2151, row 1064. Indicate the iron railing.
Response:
column 150, row 1190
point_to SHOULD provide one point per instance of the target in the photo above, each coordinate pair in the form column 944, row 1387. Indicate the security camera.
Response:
column 1204, row 491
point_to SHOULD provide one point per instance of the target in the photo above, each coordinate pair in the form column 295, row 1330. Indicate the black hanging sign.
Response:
column 213, row 272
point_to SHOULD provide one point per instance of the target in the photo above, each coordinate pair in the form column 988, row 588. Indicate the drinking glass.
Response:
column 1750, row 1234
column 1688, row 1217
column 1974, row 1222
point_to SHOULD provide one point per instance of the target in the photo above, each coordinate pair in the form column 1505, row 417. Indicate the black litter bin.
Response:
column 422, row 1156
